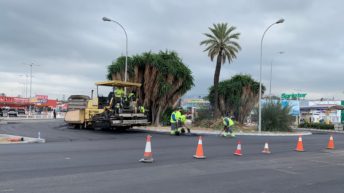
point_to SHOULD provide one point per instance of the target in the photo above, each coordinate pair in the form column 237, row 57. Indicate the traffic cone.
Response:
column 15, row 139
column 299, row 146
column 238, row 150
column 148, row 155
column 199, row 150
column 330, row 144
column 266, row 148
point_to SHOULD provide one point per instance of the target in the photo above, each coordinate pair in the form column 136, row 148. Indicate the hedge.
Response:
column 317, row 126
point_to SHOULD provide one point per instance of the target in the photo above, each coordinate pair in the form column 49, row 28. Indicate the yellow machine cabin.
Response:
column 118, row 110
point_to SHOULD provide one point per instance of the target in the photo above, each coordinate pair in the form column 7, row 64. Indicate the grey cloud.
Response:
column 68, row 38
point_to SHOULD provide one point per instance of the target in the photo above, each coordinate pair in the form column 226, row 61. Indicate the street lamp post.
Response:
column 31, row 65
column 281, row 52
column 126, row 47
column 25, row 84
column 260, row 74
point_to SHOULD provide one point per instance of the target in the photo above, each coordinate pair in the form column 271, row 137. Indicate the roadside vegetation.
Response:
column 164, row 78
column 275, row 117
column 237, row 96
column 222, row 44
column 317, row 126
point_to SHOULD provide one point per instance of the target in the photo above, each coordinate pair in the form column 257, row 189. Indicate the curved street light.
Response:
column 126, row 46
column 260, row 74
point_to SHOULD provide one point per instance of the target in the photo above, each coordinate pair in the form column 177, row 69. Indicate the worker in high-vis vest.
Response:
column 228, row 126
column 119, row 94
column 182, row 125
column 175, row 121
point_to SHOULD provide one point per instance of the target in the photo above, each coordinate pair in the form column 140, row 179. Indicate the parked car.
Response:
column 21, row 111
column 12, row 112
column 3, row 112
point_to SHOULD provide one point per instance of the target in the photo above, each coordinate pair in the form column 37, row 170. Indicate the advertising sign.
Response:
column 20, row 100
column 293, row 96
column 295, row 106
column 38, row 97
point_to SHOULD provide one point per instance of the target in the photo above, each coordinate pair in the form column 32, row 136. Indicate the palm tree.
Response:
column 221, row 43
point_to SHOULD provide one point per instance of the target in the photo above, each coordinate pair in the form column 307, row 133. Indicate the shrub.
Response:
column 275, row 117
column 317, row 126
column 166, row 116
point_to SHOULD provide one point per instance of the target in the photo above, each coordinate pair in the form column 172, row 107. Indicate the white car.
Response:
column 12, row 112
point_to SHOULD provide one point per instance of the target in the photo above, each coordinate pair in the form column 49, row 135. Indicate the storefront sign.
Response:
column 293, row 96
column 42, row 97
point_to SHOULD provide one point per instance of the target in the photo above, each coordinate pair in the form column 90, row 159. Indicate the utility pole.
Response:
column 31, row 65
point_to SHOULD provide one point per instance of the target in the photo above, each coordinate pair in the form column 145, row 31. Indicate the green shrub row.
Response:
column 317, row 126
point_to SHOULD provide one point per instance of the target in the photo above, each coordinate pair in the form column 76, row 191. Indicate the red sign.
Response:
column 6, row 99
column 42, row 97
column 20, row 100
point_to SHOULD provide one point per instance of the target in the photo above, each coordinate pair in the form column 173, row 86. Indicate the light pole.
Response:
column 25, row 84
column 260, row 74
column 281, row 52
column 31, row 65
column 126, row 48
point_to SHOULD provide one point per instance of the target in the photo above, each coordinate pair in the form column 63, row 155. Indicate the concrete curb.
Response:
column 26, row 139
column 318, row 130
column 272, row 134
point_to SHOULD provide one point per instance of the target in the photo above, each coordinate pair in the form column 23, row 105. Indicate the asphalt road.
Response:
column 85, row 161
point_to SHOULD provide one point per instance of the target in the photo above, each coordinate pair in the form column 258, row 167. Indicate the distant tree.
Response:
column 237, row 96
column 221, row 42
column 164, row 78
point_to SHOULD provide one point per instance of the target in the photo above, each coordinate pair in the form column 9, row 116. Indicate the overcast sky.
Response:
column 73, row 46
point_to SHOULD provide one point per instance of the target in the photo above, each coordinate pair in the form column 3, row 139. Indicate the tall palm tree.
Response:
column 222, row 43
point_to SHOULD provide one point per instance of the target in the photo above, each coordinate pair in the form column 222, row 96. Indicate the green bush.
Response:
column 317, row 126
column 275, row 117
column 166, row 116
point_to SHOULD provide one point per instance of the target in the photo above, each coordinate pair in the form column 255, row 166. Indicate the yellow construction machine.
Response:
column 103, row 112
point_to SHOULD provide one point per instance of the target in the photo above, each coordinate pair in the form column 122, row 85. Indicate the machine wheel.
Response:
column 124, row 128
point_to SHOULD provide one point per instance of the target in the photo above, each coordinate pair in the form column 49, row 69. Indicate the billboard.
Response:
column 41, row 99
column 294, row 104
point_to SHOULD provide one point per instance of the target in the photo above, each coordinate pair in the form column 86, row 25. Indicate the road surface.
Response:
column 85, row 161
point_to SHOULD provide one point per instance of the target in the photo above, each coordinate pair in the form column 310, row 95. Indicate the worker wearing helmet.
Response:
column 228, row 126
column 119, row 94
column 183, row 126
column 175, row 121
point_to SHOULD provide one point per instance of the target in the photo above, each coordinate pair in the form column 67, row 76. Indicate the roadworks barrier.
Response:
column 330, row 144
column 299, row 146
column 148, row 154
column 199, row 151
column 13, row 139
column 238, row 149
column 266, row 149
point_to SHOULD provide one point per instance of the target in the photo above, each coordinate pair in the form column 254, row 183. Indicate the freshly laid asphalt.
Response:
column 86, row 161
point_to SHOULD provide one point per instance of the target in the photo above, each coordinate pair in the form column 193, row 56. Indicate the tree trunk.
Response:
column 157, row 117
column 216, row 83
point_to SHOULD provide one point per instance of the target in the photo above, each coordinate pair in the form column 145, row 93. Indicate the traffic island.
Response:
column 200, row 131
column 14, row 139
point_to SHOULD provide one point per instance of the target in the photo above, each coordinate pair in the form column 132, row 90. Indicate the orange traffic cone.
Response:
column 148, row 155
column 15, row 139
column 199, row 150
column 238, row 150
column 266, row 148
column 299, row 146
column 330, row 144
